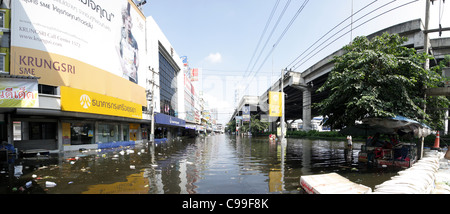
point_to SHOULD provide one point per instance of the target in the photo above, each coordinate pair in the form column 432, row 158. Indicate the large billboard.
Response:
column 93, row 45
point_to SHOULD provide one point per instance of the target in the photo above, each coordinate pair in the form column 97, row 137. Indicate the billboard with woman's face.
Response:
column 93, row 45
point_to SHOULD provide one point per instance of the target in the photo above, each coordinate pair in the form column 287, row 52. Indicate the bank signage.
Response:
column 76, row 43
column 169, row 120
column 89, row 102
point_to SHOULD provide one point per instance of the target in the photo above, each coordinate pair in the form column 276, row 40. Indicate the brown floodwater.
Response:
column 223, row 164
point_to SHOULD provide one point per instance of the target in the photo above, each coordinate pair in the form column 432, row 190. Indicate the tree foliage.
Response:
column 377, row 78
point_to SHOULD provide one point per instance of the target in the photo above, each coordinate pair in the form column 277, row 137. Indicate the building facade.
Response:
column 79, row 74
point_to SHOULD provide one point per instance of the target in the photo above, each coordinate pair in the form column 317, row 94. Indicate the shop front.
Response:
column 63, row 123
column 120, row 122
column 168, row 127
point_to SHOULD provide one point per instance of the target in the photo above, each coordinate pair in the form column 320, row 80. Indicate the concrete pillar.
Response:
column 306, row 110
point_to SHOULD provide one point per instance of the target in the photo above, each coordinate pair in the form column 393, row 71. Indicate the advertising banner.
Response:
column 89, row 102
column 21, row 93
column 246, row 113
column 94, row 45
column 275, row 104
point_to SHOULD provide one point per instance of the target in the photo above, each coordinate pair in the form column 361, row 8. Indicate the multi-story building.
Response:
column 79, row 74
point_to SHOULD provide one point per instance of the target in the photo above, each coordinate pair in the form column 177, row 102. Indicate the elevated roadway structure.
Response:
column 301, row 87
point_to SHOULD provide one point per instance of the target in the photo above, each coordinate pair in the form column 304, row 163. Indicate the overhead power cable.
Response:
column 330, row 31
column 263, row 33
column 278, row 40
column 353, row 29
column 378, row 8
column 271, row 33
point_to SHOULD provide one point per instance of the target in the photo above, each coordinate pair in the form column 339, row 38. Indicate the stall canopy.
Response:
column 391, row 125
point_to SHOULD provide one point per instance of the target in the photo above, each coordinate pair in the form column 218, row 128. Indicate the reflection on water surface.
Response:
column 215, row 164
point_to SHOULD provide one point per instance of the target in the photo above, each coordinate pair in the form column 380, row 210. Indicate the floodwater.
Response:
column 223, row 164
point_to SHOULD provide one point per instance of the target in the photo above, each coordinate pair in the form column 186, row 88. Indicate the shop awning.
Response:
column 169, row 120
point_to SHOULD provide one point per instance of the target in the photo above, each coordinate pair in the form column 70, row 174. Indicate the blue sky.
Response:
column 220, row 36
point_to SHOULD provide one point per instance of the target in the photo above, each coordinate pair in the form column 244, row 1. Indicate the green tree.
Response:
column 377, row 78
column 256, row 124
column 231, row 126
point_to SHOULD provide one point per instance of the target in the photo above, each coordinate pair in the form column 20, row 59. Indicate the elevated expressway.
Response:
column 301, row 87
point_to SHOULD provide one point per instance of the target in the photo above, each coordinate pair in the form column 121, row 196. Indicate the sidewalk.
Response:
column 442, row 181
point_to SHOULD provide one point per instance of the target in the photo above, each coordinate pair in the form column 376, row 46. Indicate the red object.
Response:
column 436, row 141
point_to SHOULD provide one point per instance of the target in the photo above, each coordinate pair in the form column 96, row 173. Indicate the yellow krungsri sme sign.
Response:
column 89, row 102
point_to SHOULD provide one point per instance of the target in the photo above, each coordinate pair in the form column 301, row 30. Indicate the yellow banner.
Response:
column 275, row 104
column 89, row 102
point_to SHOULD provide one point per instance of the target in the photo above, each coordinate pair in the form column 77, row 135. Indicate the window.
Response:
column 126, row 132
column 2, row 61
column 47, row 89
column 42, row 131
column 2, row 19
column 168, row 84
column 108, row 133
column 81, row 133
column 17, row 130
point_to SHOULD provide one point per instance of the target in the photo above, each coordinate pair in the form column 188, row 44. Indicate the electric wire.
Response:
column 374, row 10
column 276, row 43
column 330, row 31
column 271, row 33
column 263, row 33
column 356, row 28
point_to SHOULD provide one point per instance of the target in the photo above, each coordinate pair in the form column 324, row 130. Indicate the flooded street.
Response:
column 216, row 164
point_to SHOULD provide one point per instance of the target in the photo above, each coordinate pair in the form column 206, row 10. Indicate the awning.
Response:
column 169, row 120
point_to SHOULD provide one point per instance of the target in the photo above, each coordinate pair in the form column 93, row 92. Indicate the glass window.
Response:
column 108, row 133
column 42, row 131
column 17, row 130
column 2, row 62
column 126, row 132
column 2, row 19
column 168, row 81
column 82, row 133
column 46, row 89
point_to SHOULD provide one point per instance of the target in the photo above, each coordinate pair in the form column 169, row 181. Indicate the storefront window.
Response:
column 108, row 133
column 126, row 131
column 82, row 133
column 42, row 131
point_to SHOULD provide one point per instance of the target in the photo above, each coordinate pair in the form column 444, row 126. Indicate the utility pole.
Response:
column 426, row 47
column 152, row 106
column 282, row 106
column 426, row 44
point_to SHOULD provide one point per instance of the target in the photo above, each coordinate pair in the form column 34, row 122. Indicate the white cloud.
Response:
column 214, row 58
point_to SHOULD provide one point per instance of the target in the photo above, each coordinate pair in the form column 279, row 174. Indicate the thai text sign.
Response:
column 89, row 102
column 275, row 104
column 19, row 93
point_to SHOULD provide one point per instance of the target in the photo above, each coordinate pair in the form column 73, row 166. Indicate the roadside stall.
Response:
column 389, row 141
